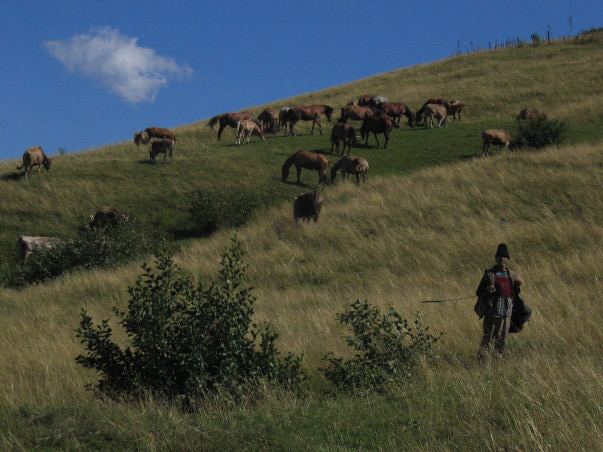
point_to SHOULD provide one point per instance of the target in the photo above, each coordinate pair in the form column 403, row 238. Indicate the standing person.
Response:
column 496, row 291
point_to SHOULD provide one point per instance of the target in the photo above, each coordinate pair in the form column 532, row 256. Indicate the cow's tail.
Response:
column 21, row 165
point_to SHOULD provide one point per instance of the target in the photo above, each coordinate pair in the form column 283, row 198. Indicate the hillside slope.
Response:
column 562, row 80
column 423, row 227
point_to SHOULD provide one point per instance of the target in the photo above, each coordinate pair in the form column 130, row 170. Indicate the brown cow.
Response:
column 163, row 146
column 454, row 108
column 107, row 216
column 27, row 246
column 495, row 136
column 376, row 124
column 530, row 114
column 269, row 120
column 152, row 132
column 228, row 120
column 355, row 112
column 309, row 160
column 342, row 132
column 34, row 156
column 351, row 165
column 307, row 206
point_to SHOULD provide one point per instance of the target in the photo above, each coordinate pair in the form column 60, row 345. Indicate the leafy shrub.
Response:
column 539, row 132
column 212, row 209
column 387, row 347
column 186, row 341
column 101, row 248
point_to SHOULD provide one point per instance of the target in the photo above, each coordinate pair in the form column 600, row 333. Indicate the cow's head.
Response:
column 46, row 162
column 141, row 138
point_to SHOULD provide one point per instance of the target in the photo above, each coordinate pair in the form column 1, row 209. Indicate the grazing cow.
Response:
column 355, row 112
column 396, row 110
column 308, row 113
column 34, row 157
column 246, row 128
column 307, row 206
column 27, row 246
column 107, row 216
column 495, row 136
column 163, row 146
column 433, row 114
column 228, row 120
column 530, row 114
column 351, row 165
column 454, row 108
column 376, row 124
column 309, row 160
column 147, row 134
column 342, row 132
column 269, row 120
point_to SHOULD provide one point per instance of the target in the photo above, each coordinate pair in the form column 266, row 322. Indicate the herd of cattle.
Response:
column 378, row 116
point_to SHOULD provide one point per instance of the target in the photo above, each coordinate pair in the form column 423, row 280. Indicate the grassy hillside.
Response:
column 424, row 226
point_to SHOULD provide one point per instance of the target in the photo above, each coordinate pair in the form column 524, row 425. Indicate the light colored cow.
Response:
column 495, row 136
column 27, row 245
column 246, row 128
column 34, row 157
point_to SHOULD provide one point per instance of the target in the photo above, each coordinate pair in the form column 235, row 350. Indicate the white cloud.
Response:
column 118, row 62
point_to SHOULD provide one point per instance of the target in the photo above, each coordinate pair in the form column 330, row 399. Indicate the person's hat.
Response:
column 502, row 251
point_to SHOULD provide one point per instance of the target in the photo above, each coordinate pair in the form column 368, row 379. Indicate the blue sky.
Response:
column 82, row 74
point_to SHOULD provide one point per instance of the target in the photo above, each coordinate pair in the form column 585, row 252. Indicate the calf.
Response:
column 27, row 246
column 163, row 146
column 307, row 206
column 435, row 114
column 495, row 136
column 34, row 157
column 246, row 128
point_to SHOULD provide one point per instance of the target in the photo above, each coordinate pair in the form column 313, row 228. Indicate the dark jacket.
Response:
column 521, row 312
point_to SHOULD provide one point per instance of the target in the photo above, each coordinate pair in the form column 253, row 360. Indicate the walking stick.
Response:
column 448, row 299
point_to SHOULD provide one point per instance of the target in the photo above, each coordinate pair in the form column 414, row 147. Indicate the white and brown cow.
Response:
column 34, row 156
column 499, row 137
column 246, row 128
column 28, row 245
column 350, row 165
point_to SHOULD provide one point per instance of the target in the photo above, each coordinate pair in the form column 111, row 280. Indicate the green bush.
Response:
column 387, row 347
column 540, row 132
column 186, row 341
column 103, row 247
column 212, row 209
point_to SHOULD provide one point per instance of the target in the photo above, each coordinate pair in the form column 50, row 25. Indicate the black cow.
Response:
column 307, row 206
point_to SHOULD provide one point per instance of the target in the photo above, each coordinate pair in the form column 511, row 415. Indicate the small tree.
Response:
column 212, row 209
column 187, row 341
column 387, row 347
column 540, row 132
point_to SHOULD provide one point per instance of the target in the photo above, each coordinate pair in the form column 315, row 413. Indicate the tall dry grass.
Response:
column 395, row 241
